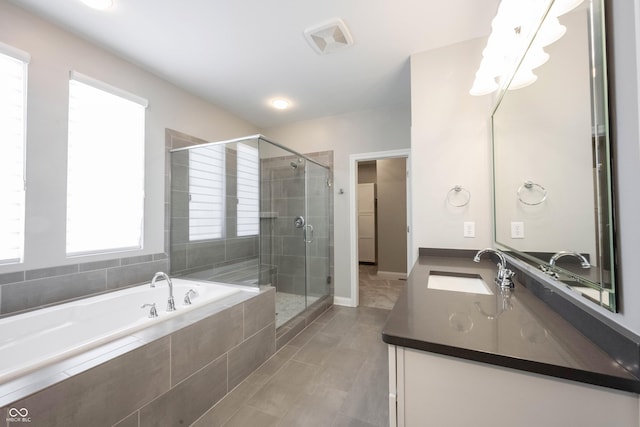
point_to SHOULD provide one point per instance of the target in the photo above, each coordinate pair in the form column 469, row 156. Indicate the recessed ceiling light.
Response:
column 99, row 4
column 280, row 104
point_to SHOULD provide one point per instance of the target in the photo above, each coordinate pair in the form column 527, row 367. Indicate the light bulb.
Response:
column 280, row 104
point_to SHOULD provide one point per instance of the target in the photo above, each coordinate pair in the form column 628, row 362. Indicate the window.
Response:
column 105, row 168
column 248, row 191
column 206, row 192
column 13, row 102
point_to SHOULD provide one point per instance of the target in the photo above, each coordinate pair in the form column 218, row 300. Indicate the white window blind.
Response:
column 105, row 168
column 248, row 191
column 206, row 192
column 13, row 96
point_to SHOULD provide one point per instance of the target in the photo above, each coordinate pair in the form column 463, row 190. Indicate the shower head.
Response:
column 294, row 165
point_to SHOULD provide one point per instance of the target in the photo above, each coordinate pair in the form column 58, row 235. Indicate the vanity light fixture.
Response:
column 511, row 29
column 98, row 4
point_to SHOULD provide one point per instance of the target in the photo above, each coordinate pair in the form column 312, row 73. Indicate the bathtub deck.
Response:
column 241, row 273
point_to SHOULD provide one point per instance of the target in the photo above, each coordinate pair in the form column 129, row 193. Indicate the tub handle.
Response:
column 152, row 312
column 189, row 296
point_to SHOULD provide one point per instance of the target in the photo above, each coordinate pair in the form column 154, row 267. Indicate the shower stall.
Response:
column 250, row 211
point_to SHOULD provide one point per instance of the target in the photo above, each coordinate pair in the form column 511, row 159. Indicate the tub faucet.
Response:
column 171, row 305
column 152, row 311
column 583, row 261
column 504, row 275
column 189, row 296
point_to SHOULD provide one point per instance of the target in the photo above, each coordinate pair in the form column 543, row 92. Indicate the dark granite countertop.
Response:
column 513, row 329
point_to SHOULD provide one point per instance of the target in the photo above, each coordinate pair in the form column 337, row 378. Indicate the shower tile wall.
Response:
column 189, row 257
column 283, row 247
column 282, row 200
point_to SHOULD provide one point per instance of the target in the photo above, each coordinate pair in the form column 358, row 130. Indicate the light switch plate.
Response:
column 469, row 229
column 517, row 230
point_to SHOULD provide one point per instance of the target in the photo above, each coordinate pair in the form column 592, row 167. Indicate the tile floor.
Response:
column 378, row 292
column 332, row 374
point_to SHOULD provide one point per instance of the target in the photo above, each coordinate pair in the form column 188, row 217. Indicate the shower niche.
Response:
column 252, row 212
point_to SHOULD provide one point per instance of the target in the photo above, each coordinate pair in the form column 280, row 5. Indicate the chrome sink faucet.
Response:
column 171, row 305
column 583, row 261
column 504, row 275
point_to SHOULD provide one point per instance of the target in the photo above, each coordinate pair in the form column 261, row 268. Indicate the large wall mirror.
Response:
column 552, row 173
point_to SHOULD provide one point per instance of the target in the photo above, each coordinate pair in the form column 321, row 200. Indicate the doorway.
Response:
column 380, row 236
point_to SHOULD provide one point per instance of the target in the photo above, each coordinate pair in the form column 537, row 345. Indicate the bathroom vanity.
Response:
column 464, row 353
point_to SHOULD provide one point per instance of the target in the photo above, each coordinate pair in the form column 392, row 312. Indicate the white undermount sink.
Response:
column 458, row 282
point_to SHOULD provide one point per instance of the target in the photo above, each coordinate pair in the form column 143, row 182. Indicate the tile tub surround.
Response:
column 32, row 289
column 169, row 374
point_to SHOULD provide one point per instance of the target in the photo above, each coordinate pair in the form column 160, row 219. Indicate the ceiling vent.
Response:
column 329, row 36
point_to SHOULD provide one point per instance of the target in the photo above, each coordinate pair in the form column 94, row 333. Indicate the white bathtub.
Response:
column 32, row 340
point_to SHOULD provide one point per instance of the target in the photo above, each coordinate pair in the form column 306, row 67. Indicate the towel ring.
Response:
column 529, row 185
column 458, row 189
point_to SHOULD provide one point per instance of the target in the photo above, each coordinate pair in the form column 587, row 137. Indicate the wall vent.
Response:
column 329, row 36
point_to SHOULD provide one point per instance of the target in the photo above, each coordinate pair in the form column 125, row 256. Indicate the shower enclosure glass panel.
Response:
column 317, row 232
column 283, row 228
column 252, row 212
column 214, row 231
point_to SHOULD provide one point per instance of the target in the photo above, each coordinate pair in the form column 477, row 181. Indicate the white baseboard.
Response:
column 391, row 275
column 347, row 302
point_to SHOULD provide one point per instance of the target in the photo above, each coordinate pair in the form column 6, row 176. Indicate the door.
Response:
column 317, row 232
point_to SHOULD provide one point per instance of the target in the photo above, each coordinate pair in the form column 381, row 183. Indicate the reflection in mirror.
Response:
column 552, row 165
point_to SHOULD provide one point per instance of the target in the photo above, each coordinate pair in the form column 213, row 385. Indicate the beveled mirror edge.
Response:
column 607, row 189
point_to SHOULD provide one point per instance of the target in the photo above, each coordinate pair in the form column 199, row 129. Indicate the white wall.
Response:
column 54, row 53
column 626, row 135
column 361, row 132
column 450, row 145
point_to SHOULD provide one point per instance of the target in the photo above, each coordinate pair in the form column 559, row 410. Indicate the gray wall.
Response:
column 392, row 215
column 367, row 172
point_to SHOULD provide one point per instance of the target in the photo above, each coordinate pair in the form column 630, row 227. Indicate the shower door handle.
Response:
column 305, row 228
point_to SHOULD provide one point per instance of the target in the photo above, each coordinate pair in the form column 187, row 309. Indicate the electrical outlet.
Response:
column 517, row 230
column 469, row 229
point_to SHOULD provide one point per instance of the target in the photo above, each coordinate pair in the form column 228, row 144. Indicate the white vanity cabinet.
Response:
column 428, row 389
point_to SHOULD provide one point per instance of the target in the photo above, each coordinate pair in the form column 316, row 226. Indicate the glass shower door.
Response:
column 316, row 236
column 282, row 228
